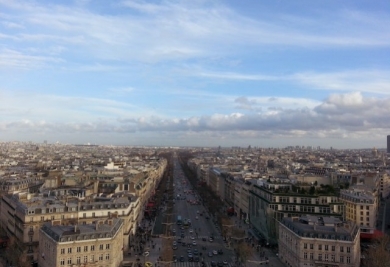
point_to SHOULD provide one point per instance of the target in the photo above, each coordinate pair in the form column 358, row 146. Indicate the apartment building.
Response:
column 97, row 244
column 314, row 241
column 361, row 206
column 273, row 199
column 22, row 215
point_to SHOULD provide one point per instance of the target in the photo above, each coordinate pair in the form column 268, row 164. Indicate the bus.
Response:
column 179, row 221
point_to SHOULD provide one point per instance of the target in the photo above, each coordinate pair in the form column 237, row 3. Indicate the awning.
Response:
column 373, row 235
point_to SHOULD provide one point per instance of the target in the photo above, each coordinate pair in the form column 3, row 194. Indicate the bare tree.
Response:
column 378, row 254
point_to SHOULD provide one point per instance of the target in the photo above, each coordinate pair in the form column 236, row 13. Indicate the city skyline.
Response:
column 198, row 73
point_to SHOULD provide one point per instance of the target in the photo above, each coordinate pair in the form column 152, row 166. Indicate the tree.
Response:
column 378, row 255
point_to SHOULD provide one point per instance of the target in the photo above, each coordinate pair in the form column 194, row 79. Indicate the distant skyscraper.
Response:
column 388, row 144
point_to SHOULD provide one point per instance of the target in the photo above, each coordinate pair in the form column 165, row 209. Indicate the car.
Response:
column 178, row 240
column 190, row 231
column 210, row 254
column 204, row 239
column 189, row 250
column 182, row 235
column 225, row 262
column 194, row 243
column 173, row 230
column 174, row 247
column 182, row 259
column 215, row 252
column 204, row 248
column 197, row 217
column 196, row 259
column 195, row 252
column 207, row 217
column 220, row 252
column 211, row 240
column 192, row 237
column 213, row 263
column 190, row 258
column 174, row 243
column 189, row 255
column 184, row 244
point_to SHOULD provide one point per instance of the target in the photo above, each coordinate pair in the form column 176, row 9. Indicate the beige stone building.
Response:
column 99, row 244
column 23, row 215
column 361, row 206
column 314, row 241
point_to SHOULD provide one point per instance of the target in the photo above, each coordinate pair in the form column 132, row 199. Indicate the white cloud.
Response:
column 370, row 81
column 175, row 30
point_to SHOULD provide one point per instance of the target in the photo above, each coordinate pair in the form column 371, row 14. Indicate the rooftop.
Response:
column 68, row 233
column 310, row 226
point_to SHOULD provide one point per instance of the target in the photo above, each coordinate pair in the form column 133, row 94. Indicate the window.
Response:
column 92, row 248
column 311, row 246
column 69, row 261
column 62, row 262
column 311, row 256
column 333, row 248
column 69, row 250
column 42, row 218
column 348, row 249
column 326, row 257
column 62, row 251
column 341, row 259
column 320, row 257
column 92, row 258
column 107, row 246
column 326, row 247
column 333, row 258
column 367, row 213
column 78, row 260
column 101, row 247
column 85, row 248
column 305, row 245
column 85, row 259
column 101, row 257
column 305, row 255
column 78, row 249
column 341, row 249
column 93, row 214
column 319, row 247
column 84, row 215
column 107, row 256
column 348, row 259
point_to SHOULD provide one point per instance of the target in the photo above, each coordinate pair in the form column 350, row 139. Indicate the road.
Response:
column 196, row 238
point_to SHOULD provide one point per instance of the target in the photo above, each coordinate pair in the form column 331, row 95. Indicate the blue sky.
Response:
column 196, row 73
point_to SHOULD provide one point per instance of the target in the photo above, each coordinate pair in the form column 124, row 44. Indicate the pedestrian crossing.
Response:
column 180, row 264
column 199, row 238
column 197, row 264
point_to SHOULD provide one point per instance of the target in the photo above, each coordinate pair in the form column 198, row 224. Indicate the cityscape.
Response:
column 89, row 205
column 204, row 133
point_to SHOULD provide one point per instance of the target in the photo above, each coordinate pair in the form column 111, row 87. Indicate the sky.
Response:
column 196, row 73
